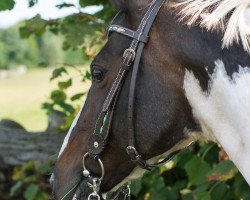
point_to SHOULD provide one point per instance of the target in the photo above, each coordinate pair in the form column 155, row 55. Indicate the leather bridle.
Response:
column 131, row 60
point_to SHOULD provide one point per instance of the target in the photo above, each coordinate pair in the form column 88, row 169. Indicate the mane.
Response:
column 230, row 16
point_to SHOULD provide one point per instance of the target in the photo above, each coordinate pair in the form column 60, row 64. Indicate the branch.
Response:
column 18, row 146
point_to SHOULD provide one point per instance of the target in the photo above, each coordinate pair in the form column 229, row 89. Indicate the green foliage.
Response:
column 59, row 99
column 196, row 168
column 32, row 2
column 58, row 72
column 192, row 175
column 35, row 51
column 80, row 31
column 35, row 26
column 6, row 5
column 31, row 181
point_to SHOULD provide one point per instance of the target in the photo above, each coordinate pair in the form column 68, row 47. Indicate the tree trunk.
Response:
column 18, row 146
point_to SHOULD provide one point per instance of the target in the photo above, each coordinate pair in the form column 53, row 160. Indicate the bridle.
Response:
column 131, row 60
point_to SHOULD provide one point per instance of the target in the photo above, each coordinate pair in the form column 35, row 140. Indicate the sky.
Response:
column 46, row 8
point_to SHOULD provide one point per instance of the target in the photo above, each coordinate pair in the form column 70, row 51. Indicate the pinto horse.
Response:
column 193, row 82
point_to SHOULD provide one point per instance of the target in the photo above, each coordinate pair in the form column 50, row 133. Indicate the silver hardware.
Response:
column 74, row 197
column 96, row 185
column 96, row 188
column 127, row 192
column 86, row 173
column 96, row 145
column 100, row 163
column 94, row 196
column 129, row 56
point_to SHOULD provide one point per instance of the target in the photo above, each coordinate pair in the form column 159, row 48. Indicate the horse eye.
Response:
column 97, row 75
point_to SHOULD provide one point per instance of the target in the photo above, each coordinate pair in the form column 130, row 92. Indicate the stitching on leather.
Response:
column 110, row 91
column 118, row 84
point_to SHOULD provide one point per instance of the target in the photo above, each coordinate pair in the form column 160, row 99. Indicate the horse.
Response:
column 191, row 80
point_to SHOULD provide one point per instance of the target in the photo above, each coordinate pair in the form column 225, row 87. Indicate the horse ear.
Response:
column 119, row 4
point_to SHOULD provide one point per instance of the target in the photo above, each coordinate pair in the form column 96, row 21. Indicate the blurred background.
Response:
column 30, row 50
column 45, row 50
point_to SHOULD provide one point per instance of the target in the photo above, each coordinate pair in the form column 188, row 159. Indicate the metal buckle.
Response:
column 135, row 156
column 129, row 56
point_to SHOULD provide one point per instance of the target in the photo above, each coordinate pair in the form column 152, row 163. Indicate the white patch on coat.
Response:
column 66, row 139
column 224, row 112
column 212, row 15
column 138, row 172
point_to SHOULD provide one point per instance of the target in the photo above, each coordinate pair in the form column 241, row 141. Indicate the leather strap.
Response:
column 128, row 32
column 131, row 149
column 132, row 55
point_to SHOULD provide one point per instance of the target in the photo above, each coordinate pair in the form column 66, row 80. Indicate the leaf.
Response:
column 47, row 106
column 136, row 187
column 241, row 187
column 58, row 96
column 30, row 178
column 6, row 4
column 42, row 196
column 36, row 26
column 15, row 188
column 183, row 157
column 24, row 32
column 77, row 96
column 224, row 171
column 202, row 191
column 74, row 29
column 69, row 120
column 58, row 72
column 32, row 2
column 84, row 3
column 45, row 168
column 65, row 84
column 18, row 174
column 67, row 107
column 205, row 195
column 196, row 170
column 65, row 5
column 87, row 75
column 29, row 166
column 219, row 191
column 31, row 191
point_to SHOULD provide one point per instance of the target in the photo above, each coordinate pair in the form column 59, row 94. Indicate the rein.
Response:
column 98, row 140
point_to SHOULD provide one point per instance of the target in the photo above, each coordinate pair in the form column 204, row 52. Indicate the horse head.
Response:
column 163, row 110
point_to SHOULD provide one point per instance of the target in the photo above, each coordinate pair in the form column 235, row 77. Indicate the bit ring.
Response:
column 99, row 161
column 94, row 195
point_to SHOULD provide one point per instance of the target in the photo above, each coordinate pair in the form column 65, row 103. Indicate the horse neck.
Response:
column 198, row 49
column 215, row 85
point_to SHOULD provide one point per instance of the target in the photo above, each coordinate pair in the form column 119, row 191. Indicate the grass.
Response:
column 21, row 98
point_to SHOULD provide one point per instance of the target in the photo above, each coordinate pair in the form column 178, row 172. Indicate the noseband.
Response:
column 131, row 60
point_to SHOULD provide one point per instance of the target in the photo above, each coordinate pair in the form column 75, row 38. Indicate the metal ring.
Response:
column 94, row 195
column 100, row 162
column 129, row 56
